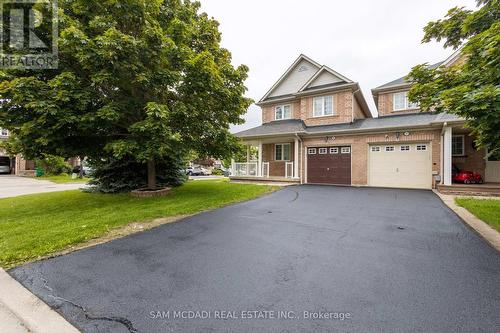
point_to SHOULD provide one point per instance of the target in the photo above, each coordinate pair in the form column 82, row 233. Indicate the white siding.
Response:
column 295, row 79
column 324, row 78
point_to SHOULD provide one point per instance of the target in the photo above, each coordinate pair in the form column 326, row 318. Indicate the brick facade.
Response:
column 473, row 159
column 345, row 108
column 276, row 168
column 385, row 104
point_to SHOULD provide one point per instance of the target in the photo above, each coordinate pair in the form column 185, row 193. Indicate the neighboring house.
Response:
column 317, row 128
column 19, row 166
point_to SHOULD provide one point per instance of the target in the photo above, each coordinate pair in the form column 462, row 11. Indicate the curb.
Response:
column 32, row 312
column 484, row 230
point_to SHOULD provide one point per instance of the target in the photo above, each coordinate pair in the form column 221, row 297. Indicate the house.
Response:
column 19, row 166
column 317, row 129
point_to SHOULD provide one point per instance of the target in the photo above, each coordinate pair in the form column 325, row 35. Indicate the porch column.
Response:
column 233, row 171
column 248, row 153
column 296, row 158
column 259, row 160
column 447, row 155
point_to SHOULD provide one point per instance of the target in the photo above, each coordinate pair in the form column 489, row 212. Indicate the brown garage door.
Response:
column 329, row 165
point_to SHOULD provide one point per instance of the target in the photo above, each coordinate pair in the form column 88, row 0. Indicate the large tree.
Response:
column 141, row 79
column 471, row 87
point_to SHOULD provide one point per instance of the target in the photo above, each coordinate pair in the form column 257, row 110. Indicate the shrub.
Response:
column 217, row 172
column 53, row 165
column 113, row 175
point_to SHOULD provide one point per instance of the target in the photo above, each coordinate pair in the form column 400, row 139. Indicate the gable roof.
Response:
column 330, row 77
column 296, row 82
column 402, row 81
column 301, row 57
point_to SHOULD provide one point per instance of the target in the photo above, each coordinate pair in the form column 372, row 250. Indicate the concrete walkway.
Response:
column 13, row 186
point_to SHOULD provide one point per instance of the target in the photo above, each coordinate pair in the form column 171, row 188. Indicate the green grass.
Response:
column 487, row 210
column 63, row 179
column 36, row 225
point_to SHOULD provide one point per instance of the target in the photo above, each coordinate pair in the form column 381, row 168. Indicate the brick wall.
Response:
column 359, row 149
column 276, row 168
column 303, row 109
column 385, row 107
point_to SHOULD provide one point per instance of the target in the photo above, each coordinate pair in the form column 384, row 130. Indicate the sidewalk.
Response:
column 21, row 311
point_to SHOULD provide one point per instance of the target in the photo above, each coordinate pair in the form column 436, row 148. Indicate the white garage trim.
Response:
column 403, row 165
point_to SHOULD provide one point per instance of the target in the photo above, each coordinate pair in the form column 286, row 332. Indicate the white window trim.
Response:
column 406, row 104
column 375, row 149
column 334, row 150
column 311, row 151
column 401, row 148
column 323, row 110
column 348, row 150
column 389, row 151
column 421, row 145
column 463, row 144
column 283, row 111
column 282, row 151
column 325, row 151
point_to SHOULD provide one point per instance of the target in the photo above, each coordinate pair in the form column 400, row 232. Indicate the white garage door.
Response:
column 400, row 165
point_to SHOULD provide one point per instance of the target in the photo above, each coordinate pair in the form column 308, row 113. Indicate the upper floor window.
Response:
column 323, row 106
column 282, row 152
column 401, row 102
column 282, row 112
column 457, row 145
column 4, row 132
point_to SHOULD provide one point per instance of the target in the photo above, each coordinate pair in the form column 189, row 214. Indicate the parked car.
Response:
column 87, row 171
column 466, row 177
column 5, row 164
column 197, row 171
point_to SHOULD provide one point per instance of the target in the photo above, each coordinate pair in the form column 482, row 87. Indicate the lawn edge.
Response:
column 483, row 229
column 137, row 227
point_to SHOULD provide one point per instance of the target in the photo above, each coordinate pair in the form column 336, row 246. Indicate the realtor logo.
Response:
column 28, row 34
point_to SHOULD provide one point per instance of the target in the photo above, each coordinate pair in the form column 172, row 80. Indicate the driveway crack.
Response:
column 121, row 320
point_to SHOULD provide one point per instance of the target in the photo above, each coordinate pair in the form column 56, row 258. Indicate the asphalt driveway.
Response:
column 384, row 260
column 13, row 186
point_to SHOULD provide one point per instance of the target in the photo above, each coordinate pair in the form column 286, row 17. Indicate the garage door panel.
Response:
column 411, row 168
column 333, row 167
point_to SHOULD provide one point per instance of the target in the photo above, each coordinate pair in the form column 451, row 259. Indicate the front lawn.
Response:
column 63, row 179
column 487, row 210
column 36, row 225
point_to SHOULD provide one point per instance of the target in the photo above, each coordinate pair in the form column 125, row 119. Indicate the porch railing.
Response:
column 245, row 169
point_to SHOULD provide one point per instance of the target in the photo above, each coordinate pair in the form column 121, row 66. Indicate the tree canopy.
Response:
column 471, row 87
column 141, row 79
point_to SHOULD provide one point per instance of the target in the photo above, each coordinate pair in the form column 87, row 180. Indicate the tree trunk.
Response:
column 81, row 166
column 151, row 174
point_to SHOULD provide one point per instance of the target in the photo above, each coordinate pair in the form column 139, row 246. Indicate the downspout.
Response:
column 301, row 157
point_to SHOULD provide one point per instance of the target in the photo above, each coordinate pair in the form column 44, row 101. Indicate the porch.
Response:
column 459, row 153
column 269, row 160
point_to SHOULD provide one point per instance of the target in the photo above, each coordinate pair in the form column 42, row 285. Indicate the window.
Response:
column 282, row 152
column 405, row 148
column 457, row 145
column 389, row 148
column 4, row 132
column 323, row 106
column 334, row 150
column 421, row 147
column 400, row 102
column 282, row 112
column 376, row 148
column 323, row 151
column 345, row 150
column 311, row 151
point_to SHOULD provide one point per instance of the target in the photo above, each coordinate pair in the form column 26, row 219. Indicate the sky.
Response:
column 370, row 42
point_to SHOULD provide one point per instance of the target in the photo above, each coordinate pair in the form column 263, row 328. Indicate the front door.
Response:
column 492, row 173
